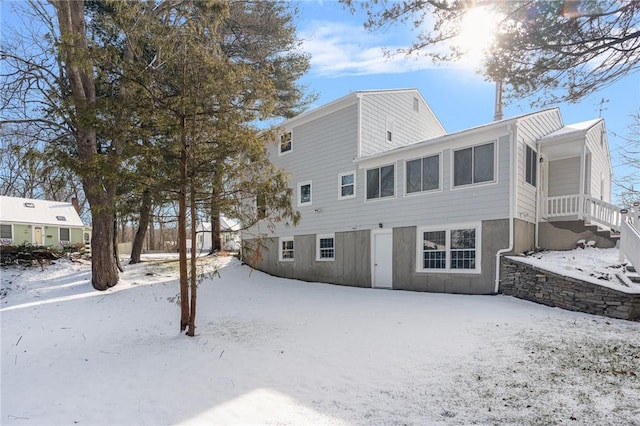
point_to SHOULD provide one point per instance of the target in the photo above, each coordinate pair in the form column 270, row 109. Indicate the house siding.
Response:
column 600, row 165
column 564, row 177
column 23, row 234
column 395, row 109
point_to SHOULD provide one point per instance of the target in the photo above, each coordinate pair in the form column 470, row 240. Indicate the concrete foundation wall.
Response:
column 537, row 285
column 564, row 235
column 525, row 236
column 495, row 235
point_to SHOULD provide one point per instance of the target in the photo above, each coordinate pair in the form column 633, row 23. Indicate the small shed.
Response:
column 229, row 235
column 41, row 223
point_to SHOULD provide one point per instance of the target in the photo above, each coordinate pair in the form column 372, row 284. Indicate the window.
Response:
column 389, row 129
column 61, row 218
column 416, row 105
column 423, row 174
column 65, row 235
column 381, row 182
column 474, row 164
column 261, row 205
column 30, row 205
column 286, row 249
column 304, row 193
column 449, row 249
column 531, row 166
column 6, row 234
column 347, row 185
column 285, row 143
column 325, row 247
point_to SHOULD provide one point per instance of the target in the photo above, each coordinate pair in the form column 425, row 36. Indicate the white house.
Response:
column 389, row 199
column 229, row 235
column 41, row 223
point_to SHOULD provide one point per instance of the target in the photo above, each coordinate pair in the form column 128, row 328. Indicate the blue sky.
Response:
column 345, row 57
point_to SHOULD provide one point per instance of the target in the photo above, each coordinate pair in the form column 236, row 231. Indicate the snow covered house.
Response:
column 389, row 199
column 41, row 223
column 229, row 235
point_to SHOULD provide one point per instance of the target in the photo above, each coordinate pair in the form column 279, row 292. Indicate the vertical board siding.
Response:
column 600, row 164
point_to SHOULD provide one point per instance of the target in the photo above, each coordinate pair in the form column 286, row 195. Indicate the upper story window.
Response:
column 416, row 105
column 531, row 166
column 325, row 247
column 30, row 205
column 389, row 129
column 423, row 174
column 286, row 143
column 61, row 218
column 304, row 193
column 381, row 182
column 286, row 249
column 261, row 206
column 473, row 165
column 346, row 185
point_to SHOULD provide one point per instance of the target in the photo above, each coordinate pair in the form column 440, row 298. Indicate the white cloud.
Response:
column 339, row 49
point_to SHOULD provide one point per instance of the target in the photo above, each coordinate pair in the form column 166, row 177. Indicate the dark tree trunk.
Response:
column 99, row 190
column 182, row 232
column 143, row 224
column 192, row 263
column 216, row 243
column 116, row 254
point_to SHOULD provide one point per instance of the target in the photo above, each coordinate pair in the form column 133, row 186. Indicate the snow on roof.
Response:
column 581, row 127
column 41, row 212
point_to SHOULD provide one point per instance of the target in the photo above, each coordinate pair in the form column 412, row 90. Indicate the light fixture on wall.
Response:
column 318, row 210
column 379, row 225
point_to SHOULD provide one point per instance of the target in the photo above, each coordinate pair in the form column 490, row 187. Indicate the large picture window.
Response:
column 304, row 193
column 423, row 174
column 286, row 249
column 475, row 164
column 381, row 182
column 449, row 249
column 325, row 247
column 531, row 168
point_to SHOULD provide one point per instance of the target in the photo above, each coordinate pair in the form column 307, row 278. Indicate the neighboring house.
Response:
column 388, row 199
column 41, row 223
column 229, row 235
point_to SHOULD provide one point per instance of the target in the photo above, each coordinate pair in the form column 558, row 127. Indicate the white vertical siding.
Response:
column 596, row 140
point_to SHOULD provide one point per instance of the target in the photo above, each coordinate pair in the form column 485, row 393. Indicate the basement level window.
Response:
column 30, row 205
column 61, row 218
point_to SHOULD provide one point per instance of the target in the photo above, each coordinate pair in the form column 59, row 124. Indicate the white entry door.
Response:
column 37, row 236
column 382, row 259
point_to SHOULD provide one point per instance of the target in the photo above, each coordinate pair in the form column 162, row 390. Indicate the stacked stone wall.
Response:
column 537, row 285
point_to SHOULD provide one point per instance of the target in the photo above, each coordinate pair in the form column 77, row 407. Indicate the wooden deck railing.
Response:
column 584, row 207
column 630, row 235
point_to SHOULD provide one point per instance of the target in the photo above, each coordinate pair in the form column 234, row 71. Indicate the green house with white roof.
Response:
column 52, row 224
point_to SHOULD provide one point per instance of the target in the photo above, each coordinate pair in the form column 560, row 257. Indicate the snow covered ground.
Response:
column 277, row 351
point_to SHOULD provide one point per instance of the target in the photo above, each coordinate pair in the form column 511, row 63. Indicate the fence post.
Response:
column 635, row 217
column 623, row 218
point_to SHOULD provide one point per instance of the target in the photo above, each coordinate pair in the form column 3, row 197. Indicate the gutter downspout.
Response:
column 513, row 164
column 540, row 201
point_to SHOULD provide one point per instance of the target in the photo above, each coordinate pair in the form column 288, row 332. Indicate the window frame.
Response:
column 531, row 166
column 67, row 240
column 473, row 159
column 422, row 190
column 281, row 249
column 448, row 229
column 299, row 195
column 340, row 185
column 380, row 197
column 319, row 257
column 5, row 240
column 282, row 136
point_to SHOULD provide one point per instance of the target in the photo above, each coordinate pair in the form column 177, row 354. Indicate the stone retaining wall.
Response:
column 537, row 285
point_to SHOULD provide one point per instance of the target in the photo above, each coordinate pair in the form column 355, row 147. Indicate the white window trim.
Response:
column 388, row 130
column 280, row 241
column 453, row 187
column 346, row 197
column 13, row 234
column 526, row 164
column 300, row 185
column 60, row 235
column 325, row 259
column 440, row 175
column 448, row 228
column 395, row 183
column 280, row 152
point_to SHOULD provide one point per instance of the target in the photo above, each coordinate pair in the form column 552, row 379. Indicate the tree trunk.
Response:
column 182, row 232
column 116, row 254
column 216, row 243
column 99, row 191
column 143, row 224
column 192, row 276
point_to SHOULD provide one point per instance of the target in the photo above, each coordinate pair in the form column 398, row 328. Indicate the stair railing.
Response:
column 630, row 235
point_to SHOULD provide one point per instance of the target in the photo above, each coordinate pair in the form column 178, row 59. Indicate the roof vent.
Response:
column 61, row 218
column 30, row 205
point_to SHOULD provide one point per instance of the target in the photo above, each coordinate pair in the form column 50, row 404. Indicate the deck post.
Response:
column 623, row 217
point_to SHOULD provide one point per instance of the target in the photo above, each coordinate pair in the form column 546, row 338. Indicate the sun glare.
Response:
column 478, row 29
